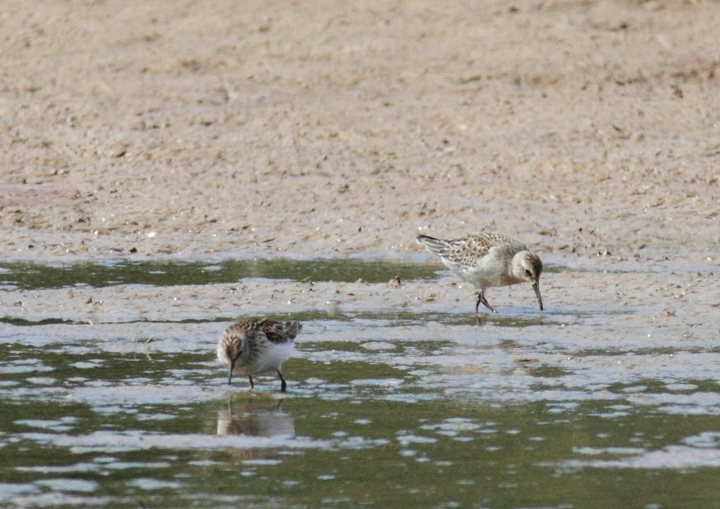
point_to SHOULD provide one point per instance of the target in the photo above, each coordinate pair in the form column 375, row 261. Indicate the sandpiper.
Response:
column 488, row 259
column 256, row 346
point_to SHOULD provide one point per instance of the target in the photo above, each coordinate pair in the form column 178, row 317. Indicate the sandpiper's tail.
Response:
column 432, row 244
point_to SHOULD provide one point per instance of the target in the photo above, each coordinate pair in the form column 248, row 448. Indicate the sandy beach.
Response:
column 135, row 129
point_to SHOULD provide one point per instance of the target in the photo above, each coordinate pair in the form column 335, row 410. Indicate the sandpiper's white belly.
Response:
column 271, row 358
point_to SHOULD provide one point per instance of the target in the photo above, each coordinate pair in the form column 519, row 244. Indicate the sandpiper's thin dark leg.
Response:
column 477, row 303
column 283, row 385
column 481, row 297
column 252, row 385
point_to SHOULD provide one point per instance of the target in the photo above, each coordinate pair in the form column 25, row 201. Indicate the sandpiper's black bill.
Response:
column 536, row 287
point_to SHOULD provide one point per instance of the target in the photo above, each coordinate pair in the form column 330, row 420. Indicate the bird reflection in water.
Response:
column 256, row 418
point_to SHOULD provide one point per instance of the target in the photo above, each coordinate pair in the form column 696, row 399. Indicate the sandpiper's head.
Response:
column 228, row 349
column 527, row 266
column 232, row 347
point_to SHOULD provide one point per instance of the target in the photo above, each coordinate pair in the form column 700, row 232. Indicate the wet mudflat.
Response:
column 395, row 397
column 219, row 129
column 28, row 276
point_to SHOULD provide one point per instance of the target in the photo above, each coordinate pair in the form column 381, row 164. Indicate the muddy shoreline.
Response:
column 282, row 129
column 138, row 133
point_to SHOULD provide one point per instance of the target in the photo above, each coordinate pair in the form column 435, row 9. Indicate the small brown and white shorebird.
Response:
column 256, row 346
column 488, row 259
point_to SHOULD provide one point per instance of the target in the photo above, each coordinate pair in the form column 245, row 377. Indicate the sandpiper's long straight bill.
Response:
column 536, row 287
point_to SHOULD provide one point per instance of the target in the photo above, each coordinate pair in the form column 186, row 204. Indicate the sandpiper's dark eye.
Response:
column 528, row 273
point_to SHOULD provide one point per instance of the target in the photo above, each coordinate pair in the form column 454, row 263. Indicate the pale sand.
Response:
column 268, row 128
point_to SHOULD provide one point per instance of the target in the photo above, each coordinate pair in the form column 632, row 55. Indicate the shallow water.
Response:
column 576, row 407
column 30, row 276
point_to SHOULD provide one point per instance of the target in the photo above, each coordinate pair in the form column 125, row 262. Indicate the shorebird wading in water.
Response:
column 488, row 259
column 256, row 346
